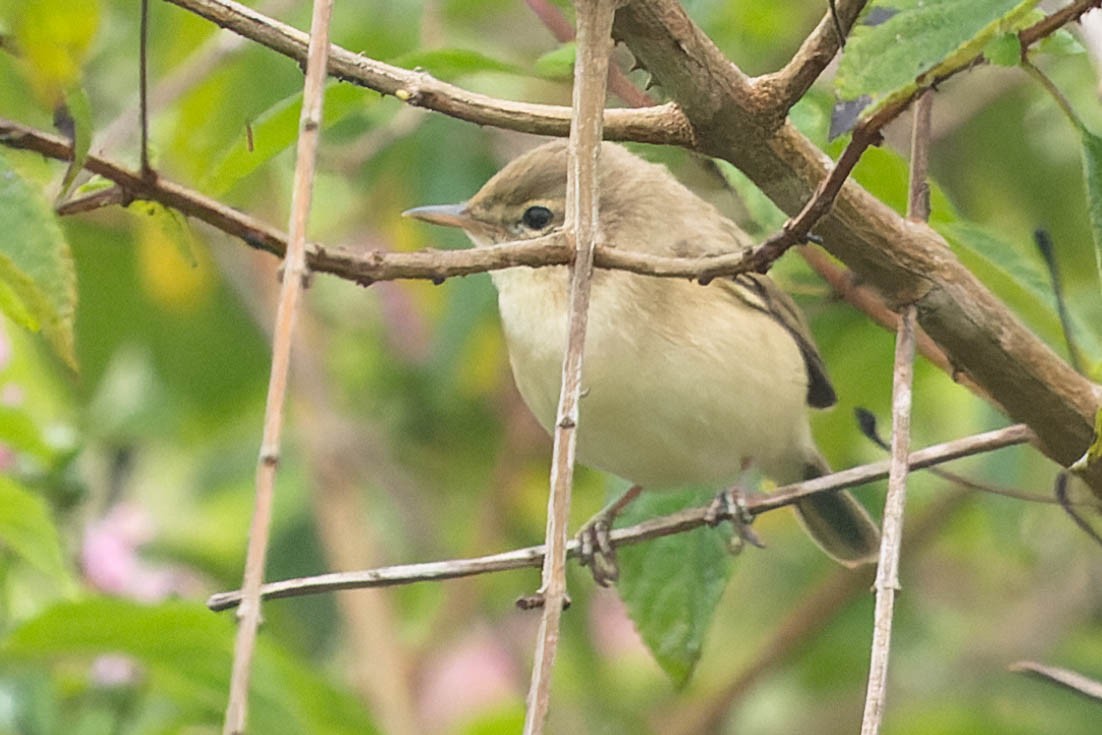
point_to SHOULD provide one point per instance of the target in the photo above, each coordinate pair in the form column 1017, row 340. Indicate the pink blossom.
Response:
column 111, row 563
column 473, row 675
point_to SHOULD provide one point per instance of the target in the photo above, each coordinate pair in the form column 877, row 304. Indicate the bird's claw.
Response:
column 596, row 550
column 730, row 504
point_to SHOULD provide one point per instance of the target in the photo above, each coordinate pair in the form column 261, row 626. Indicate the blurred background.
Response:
column 406, row 440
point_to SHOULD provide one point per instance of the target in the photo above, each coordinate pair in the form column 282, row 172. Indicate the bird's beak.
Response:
column 451, row 215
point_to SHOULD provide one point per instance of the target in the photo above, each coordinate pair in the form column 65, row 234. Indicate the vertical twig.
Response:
column 294, row 273
column 887, row 572
column 143, row 88
column 918, row 202
column 594, row 21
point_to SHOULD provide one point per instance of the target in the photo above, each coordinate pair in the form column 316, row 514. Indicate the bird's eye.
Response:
column 537, row 217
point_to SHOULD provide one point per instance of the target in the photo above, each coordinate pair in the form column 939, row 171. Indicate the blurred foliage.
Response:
column 130, row 422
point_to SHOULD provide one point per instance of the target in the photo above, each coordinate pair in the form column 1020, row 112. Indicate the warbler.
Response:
column 682, row 384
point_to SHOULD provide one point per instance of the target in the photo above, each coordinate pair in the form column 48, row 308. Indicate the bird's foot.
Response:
column 595, row 549
column 595, row 543
column 730, row 504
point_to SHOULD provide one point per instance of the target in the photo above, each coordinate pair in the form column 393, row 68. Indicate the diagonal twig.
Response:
column 1072, row 680
column 658, row 124
column 783, row 88
column 653, row 528
column 362, row 267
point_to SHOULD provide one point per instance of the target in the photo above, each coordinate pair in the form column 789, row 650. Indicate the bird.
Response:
column 683, row 384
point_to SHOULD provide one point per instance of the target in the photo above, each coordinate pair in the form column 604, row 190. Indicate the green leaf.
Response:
column 276, row 130
column 559, row 63
column 1094, row 452
column 671, row 585
column 187, row 653
column 452, row 63
column 1018, row 277
column 18, row 431
column 1004, row 50
column 37, row 279
column 920, row 41
column 1092, row 171
column 1026, row 272
column 27, row 529
column 1060, row 43
column 74, row 120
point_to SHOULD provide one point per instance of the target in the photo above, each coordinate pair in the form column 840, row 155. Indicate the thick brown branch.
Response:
column 658, row 124
column 908, row 262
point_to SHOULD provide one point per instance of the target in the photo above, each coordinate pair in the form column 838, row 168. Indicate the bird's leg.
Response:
column 597, row 551
column 730, row 504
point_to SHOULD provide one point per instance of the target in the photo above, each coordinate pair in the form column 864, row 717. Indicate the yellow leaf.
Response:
column 53, row 38
column 175, row 273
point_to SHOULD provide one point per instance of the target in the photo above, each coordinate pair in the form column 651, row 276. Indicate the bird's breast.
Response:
column 682, row 384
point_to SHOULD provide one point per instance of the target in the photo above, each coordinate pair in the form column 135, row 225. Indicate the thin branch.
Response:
column 1055, row 21
column 294, row 275
column 1053, row 91
column 798, row 229
column 203, row 61
column 1072, row 680
column 657, row 124
column 866, row 420
column 594, row 34
column 918, row 196
column 90, row 202
column 368, row 267
column 679, row 522
column 143, row 89
column 887, row 570
column 783, row 88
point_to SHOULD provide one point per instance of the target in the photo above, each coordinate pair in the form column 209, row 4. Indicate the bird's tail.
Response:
column 837, row 522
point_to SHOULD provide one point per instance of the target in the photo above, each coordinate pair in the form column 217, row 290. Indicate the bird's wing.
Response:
column 759, row 292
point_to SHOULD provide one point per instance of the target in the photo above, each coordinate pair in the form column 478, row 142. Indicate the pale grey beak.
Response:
column 450, row 215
